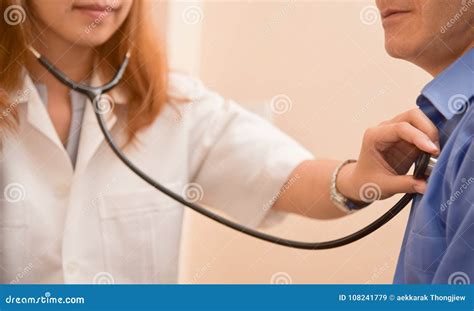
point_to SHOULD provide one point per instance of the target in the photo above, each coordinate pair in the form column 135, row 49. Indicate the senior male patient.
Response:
column 438, row 35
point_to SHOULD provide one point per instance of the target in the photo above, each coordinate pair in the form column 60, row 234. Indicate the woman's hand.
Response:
column 388, row 151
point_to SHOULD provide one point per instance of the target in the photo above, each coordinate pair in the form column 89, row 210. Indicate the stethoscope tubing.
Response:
column 93, row 93
column 246, row 230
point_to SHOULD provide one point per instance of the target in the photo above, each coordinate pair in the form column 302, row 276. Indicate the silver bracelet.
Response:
column 343, row 203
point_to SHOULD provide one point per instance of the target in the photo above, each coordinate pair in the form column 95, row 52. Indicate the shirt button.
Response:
column 72, row 268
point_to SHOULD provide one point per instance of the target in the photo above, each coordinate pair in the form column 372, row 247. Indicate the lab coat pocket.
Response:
column 141, row 231
column 423, row 254
column 13, row 240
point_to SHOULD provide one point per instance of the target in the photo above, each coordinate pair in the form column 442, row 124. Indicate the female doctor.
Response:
column 72, row 212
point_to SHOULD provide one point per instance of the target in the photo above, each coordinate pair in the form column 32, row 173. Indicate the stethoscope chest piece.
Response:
column 424, row 166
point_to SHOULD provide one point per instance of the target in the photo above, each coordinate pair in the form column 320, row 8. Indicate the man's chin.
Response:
column 397, row 50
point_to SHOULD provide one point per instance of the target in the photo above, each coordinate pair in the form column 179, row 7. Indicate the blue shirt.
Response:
column 438, row 246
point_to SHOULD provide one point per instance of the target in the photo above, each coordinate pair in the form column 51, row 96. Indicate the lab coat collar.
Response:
column 451, row 91
column 91, row 135
column 36, row 113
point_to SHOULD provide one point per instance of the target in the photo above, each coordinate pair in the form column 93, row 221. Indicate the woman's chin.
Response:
column 92, row 40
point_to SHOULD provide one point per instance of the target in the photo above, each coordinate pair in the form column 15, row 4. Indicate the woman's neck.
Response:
column 75, row 61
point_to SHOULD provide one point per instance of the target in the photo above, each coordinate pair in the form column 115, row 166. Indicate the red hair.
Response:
column 145, row 81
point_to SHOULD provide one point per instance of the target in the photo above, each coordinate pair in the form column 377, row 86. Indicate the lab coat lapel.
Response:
column 37, row 114
column 91, row 135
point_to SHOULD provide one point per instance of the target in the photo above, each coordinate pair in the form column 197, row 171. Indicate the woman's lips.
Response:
column 95, row 11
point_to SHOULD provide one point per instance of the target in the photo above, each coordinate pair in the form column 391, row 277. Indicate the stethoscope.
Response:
column 423, row 168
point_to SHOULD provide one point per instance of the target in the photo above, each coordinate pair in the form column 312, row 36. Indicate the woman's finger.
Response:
column 403, row 184
column 419, row 120
column 404, row 131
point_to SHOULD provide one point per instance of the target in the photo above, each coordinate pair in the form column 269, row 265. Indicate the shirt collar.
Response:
column 451, row 91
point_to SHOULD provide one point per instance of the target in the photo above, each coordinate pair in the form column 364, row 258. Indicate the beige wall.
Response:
column 329, row 59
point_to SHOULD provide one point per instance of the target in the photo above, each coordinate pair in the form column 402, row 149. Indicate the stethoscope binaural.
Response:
column 423, row 167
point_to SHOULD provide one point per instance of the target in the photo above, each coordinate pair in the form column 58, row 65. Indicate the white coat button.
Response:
column 72, row 268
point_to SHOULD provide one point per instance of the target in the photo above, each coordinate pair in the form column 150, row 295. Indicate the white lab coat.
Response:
column 99, row 223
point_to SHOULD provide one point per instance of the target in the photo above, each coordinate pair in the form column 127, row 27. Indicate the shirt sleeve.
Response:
column 239, row 160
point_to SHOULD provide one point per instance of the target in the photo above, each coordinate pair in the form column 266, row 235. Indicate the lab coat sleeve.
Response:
column 240, row 160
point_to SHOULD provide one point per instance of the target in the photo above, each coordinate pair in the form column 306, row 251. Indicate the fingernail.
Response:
column 432, row 146
column 420, row 188
column 438, row 146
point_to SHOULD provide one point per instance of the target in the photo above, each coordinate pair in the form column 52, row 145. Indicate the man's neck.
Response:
column 435, row 68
